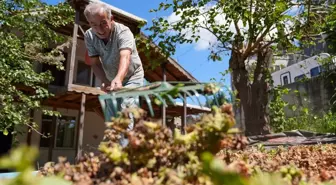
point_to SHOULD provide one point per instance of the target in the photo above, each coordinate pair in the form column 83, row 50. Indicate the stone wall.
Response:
column 311, row 93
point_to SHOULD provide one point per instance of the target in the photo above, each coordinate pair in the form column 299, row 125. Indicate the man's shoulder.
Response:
column 121, row 27
column 89, row 34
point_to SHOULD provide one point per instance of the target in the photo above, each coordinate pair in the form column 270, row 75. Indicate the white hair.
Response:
column 95, row 8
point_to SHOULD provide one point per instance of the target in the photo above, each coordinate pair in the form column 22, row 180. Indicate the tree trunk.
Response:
column 252, row 93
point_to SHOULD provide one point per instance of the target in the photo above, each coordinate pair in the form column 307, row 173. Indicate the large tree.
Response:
column 245, row 29
column 27, row 38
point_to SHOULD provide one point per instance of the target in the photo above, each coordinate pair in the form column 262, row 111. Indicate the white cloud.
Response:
column 207, row 38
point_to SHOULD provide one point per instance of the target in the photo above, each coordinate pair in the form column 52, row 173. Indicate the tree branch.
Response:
column 250, row 23
column 223, row 43
column 31, row 127
column 237, row 28
column 256, row 43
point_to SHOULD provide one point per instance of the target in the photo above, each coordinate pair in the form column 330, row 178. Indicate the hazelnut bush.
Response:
column 211, row 152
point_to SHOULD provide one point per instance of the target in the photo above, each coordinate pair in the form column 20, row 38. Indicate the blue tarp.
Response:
column 12, row 175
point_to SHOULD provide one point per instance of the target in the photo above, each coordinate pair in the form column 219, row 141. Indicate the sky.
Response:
column 194, row 58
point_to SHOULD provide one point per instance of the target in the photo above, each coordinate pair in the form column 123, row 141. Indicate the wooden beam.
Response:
column 57, row 90
column 93, row 104
column 29, row 130
column 169, row 77
column 173, row 74
column 152, row 76
column 163, row 108
column 70, row 69
column 80, row 128
column 52, row 138
column 92, row 97
column 184, row 114
column 60, row 104
column 84, row 89
column 71, row 97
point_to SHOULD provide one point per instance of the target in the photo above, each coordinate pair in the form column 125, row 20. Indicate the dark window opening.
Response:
column 65, row 131
column 314, row 71
column 84, row 75
column 285, row 80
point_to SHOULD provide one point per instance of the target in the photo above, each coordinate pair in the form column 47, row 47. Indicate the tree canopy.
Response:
column 27, row 38
column 246, row 30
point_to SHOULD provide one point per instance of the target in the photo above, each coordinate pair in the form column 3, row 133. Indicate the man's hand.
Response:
column 116, row 84
column 104, row 86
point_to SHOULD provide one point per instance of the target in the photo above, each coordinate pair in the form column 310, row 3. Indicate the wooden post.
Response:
column 52, row 138
column 184, row 116
column 80, row 128
column 29, row 130
column 163, row 108
column 71, row 65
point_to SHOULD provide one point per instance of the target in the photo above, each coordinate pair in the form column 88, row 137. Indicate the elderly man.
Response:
column 113, row 53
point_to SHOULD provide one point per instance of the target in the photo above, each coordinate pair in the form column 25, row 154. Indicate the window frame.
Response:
column 285, row 74
column 56, row 133
column 92, row 76
column 75, row 134
column 319, row 71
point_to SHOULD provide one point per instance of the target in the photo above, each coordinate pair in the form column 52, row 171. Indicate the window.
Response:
column 314, row 71
column 300, row 77
column 285, row 80
column 84, row 74
column 46, row 130
column 65, row 131
column 65, row 136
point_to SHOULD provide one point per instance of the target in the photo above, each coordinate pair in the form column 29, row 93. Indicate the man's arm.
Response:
column 98, row 70
column 125, row 59
column 95, row 62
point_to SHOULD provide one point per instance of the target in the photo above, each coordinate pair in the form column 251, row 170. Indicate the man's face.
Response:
column 101, row 25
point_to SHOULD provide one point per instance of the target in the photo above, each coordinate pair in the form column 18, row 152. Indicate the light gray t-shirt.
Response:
column 121, row 38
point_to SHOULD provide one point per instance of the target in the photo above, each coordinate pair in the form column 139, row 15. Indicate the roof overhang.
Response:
column 174, row 71
column 71, row 99
column 126, row 18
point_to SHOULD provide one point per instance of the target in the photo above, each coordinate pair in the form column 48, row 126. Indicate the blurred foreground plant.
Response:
column 21, row 159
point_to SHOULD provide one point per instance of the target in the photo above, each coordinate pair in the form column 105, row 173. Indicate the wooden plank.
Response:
column 59, row 104
column 169, row 77
column 151, row 76
column 80, row 128
column 93, row 104
column 172, row 72
column 91, row 97
column 70, row 97
column 85, row 89
column 57, row 90
column 70, row 70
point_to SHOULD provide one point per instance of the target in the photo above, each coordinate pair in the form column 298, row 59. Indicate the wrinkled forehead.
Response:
column 98, row 17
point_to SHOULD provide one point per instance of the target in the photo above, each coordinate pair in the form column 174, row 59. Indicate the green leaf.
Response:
column 5, row 132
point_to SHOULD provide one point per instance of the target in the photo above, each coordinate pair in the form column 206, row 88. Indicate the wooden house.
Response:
column 76, row 90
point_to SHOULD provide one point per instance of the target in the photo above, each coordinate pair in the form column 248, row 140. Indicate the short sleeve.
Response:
column 88, row 38
column 126, row 40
